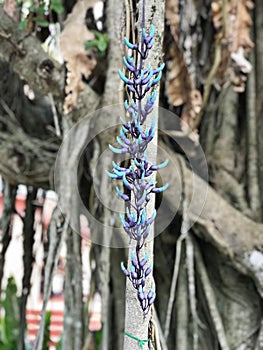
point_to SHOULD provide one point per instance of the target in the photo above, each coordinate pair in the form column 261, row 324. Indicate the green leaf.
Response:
column 40, row 10
column 91, row 43
column 3, row 338
column 46, row 339
column 41, row 22
column 102, row 42
column 102, row 45
column 56, row 2
column 97, row 34
column 101, row 36
column 31, row 8
column 59, row 344
column 58, row 8
column 98, row 339
column 22, row 24
column 10, row 323
column 106, row 38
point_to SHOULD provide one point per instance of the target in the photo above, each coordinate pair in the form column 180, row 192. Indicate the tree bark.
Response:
column 133, row 313
column 28, row 259
column 238, row 238
column 103, row 130
column 28, row 58
column 258, row 15
column 9, row 199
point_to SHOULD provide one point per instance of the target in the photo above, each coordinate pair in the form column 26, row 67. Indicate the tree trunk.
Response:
column 28, row 259
column 6, row 223
column 133, row 314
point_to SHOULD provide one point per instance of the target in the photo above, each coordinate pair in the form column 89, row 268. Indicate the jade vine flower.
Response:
column 137, row 178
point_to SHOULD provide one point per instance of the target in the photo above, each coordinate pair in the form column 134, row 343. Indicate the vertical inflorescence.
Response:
column 137, row 179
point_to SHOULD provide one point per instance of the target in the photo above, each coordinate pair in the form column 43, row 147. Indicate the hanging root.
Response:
column 211, row 299
column 157, row 335
column 192, row 289
column 173, row 286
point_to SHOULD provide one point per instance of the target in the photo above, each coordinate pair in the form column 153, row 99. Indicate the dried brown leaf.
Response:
column 190, row 112
column 243, row 22
column 79, row 61
column 172, row 16
column 178, row 83
column 180, row 89
column 236, row 43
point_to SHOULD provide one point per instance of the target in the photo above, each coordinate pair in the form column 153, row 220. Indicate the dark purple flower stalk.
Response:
column 137, row 179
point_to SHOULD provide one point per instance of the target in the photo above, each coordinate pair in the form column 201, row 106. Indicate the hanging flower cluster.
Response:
column 137, row 179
